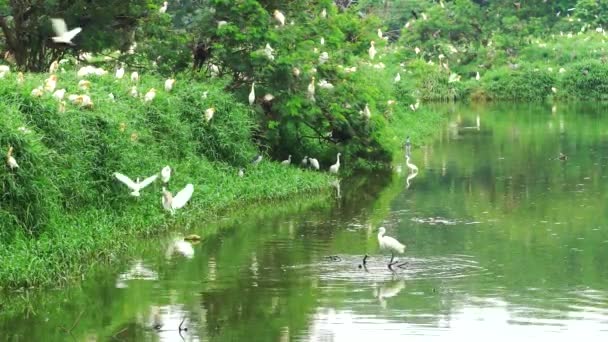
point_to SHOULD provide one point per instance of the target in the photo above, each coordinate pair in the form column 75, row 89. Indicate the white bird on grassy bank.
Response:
column 10, row 160
column 165, row 174
column 137, row 185
column 286, row 161
column 169, row 84
column 336, row 167
column 280, row 17
column 252, row 94
column 314, row 163
column 372, row 50
column 388, row 243
column 304, row 162
column 172, row 203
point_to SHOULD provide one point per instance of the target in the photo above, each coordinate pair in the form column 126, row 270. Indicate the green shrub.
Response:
column 585, row 80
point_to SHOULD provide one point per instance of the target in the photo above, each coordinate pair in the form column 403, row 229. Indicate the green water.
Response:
column 504, row 241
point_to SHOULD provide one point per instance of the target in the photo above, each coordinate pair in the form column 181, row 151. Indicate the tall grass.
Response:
column 63, row 211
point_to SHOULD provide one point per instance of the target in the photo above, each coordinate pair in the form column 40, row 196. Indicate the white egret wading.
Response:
column 388, row 243
column 137, row 185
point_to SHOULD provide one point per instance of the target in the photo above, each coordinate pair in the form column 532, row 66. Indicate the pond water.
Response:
column 504, row 241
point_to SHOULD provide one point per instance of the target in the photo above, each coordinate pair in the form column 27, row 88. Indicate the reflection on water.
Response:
column 504, row 241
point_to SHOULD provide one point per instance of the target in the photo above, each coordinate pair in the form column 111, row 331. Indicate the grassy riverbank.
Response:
column 62, row 210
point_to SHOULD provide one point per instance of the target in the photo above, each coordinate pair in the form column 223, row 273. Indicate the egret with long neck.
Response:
column 390, row 244
column 336, row 167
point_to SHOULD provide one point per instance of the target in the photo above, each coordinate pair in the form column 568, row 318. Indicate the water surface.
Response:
column 504, row 241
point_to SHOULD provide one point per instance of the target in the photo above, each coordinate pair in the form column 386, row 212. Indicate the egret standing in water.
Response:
column 410, row 166
column 390, row 244
column 336, row 167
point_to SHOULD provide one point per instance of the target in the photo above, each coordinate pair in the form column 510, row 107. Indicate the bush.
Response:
column 522, row 84
column 586, row 80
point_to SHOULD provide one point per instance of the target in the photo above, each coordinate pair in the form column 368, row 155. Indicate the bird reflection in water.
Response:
column 387, row 290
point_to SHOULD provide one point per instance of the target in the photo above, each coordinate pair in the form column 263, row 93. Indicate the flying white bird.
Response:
column 61, row 30
column 252, row 94
column 10, row 160
column 165, row 174
column 172, row 203
column 336, row 167
column 372, row 50
column 163, row 9
column 136, row 186
column 280, row 17
column 209, row 112
column 169, row 84
column 389, row 244
column 286, row 161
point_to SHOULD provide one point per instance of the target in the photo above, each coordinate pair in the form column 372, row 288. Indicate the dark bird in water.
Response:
column 562, row 156
column 414, row 14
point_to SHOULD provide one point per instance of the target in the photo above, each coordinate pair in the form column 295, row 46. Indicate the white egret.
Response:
column 165, row 174
column 133, row 92
column 323, row 57
column 136, row 186
column 169, row 84
column 554, row 90
column 279, row 16
column 304, row 162
column 252, row 94
column 296, row 72
column 54, row 67
column 150, row 95
column 241, row 173
column 59, row 94
column 209, row 112
column 61, row 30
column 477, row 77
column 111, row 96
column 221, row 23
column 367, row 114
column 322, row 41
column 390, row 244
column 398, row 78
column 163, row 9
column 454, row 78
column 268, row 97
column 120, row 73
column 380, row 33
column 417, row 50
column 286, row 161
column 372, row 50
column 325, row 85
column 336, row 167
column 324, row 13
column 134, row 76
column 268, row 51
column 409, row 165
column 414, row 107
column 257, row 159
column 10, row 160
column 20, row 78
column 311, row 90
column 314, row 163
column 172, row 203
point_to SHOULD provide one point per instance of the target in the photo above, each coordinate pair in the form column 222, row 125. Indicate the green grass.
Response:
column 62, row 211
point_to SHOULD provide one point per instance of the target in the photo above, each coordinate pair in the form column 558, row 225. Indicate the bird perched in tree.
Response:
column 388, row 243
column 252, row 94
column 279, row 16
column 163, row 8
column 336, row 167
column 136, row 186
column 63, row 36
column 286, row 161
